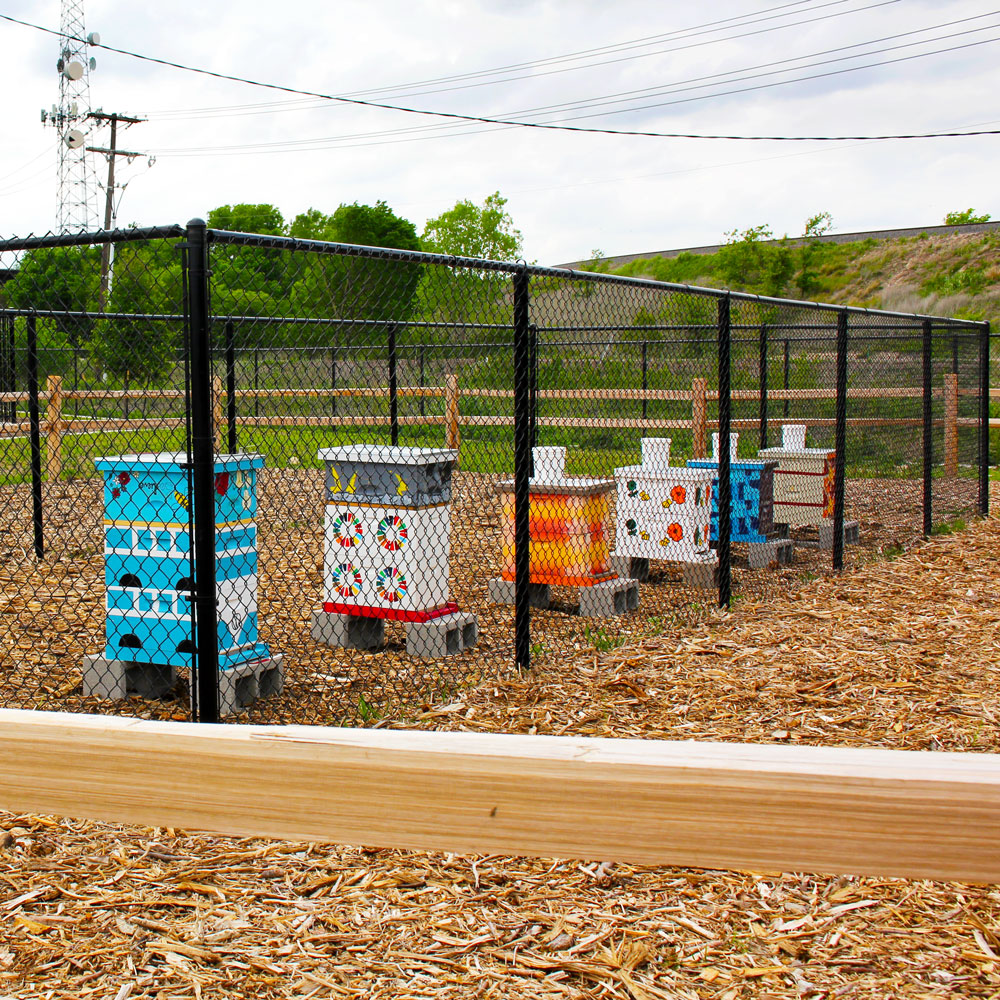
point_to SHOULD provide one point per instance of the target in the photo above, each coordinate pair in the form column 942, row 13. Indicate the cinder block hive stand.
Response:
column 387, row 545
column 568, row 540
column 148, row 578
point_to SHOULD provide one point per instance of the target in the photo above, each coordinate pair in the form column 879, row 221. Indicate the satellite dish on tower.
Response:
column 74, row 139
column 94, row 38
column 73, row 70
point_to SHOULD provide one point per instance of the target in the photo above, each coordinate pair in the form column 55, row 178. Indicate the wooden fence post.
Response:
column 53, row 428
column 951, row 425
column 452, row 438
column 699, row 417
column 218, row 412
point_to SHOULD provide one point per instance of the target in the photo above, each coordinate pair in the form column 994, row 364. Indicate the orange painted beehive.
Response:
column 568, row 528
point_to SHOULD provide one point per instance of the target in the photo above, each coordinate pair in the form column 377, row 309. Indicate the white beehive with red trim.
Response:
column 387, row 531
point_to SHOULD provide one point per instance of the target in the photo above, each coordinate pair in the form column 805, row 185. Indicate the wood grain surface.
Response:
column 706, row 805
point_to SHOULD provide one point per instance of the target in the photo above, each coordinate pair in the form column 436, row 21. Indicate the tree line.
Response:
column 117, row 333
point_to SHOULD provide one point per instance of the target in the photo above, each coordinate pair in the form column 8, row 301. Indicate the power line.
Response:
column 403, row 90
column 550, row 126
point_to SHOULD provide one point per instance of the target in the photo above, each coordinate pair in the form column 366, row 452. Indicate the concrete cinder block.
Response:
column 117, row 679
column 704, row 575
column 242, row 685
column 852, row 533
column 501, row 591
column 768, row 555
column 610, row 597
column 443, row 636
column 634, row 567
column 347, row 631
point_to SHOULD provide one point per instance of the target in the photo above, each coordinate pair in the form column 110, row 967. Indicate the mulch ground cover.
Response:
column 901, row 651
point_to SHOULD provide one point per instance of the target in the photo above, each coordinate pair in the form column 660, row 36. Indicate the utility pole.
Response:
column 111, row 152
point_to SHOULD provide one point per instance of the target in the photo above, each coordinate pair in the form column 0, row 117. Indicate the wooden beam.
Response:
column 705, row 805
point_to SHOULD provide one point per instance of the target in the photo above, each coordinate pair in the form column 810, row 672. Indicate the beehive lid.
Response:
column 758, row 464
column 675, row 473
column 387, row 454
column 585, row 485
column 159, row 461
column 779, row 453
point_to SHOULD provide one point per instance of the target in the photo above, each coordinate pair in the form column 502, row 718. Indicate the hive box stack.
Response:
column 386, row 550
column 803, row 481
column 148, row 577
column 665, row 512
column 751, row 505
column 569, row 538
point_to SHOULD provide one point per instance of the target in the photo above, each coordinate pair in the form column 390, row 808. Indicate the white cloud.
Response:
column 568, row 193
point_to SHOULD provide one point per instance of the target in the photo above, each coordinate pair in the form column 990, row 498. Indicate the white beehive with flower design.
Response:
column 663, row 511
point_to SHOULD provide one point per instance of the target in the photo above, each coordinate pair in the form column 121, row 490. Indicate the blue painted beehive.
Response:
column 148, row 565
column 752, row 503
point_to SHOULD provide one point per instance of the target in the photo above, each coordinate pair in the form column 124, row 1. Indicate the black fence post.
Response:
column 645, row 378
column 928, row 415
column 840, row 442
column 231, row 441
column 725, row 485
column 522, row 471
column 763, row 385
column 35, row 435
column 393, row 385
column 984, row 419
column 202, row 476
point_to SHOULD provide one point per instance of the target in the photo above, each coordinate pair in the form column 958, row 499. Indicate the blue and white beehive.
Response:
column 751, row 487
column 148, row 568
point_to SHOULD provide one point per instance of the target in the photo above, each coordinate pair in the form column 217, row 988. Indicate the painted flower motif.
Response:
column 221, row 483
column 631, row 526
column 116, row 493
column 632, row 488
column 675, row 532
column 124, row 478
column 678, row 494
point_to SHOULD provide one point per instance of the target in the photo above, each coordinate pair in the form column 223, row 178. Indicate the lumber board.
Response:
column 707, row 805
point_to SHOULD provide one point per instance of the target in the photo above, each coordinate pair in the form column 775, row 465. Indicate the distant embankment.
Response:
column 872, row 234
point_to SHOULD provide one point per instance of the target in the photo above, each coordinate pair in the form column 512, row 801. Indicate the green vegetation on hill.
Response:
column 954, row 274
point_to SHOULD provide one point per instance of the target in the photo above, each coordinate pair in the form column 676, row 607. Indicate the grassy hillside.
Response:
column 954, row 274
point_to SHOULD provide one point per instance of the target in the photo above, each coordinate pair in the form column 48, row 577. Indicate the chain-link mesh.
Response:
column 306, row 482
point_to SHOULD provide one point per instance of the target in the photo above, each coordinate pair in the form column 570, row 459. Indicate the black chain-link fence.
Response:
column 308, row 482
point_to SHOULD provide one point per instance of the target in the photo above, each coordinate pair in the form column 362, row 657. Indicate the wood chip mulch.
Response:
column 900, row 652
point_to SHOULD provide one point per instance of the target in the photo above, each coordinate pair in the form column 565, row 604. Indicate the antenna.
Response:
column 77, row 180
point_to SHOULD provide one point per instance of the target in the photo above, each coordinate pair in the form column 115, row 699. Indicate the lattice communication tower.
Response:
column 77, row 179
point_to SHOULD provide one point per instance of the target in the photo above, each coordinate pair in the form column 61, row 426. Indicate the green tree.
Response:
column 59, row 278
column 753, row 261
column 469, row 230
column 965, row 218
column 147, row 280
column 807, row 278
column 362, row 288
column 249, row 279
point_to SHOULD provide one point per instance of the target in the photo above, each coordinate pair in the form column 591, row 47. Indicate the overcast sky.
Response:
column 569, row 193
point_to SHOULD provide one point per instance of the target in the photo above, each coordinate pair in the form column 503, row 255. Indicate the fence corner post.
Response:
column 452, row 437
column 202, row 454
column 699, row 417
column 53, row 427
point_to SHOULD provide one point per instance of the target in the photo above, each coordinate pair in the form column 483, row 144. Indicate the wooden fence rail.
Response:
column 56, row 425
